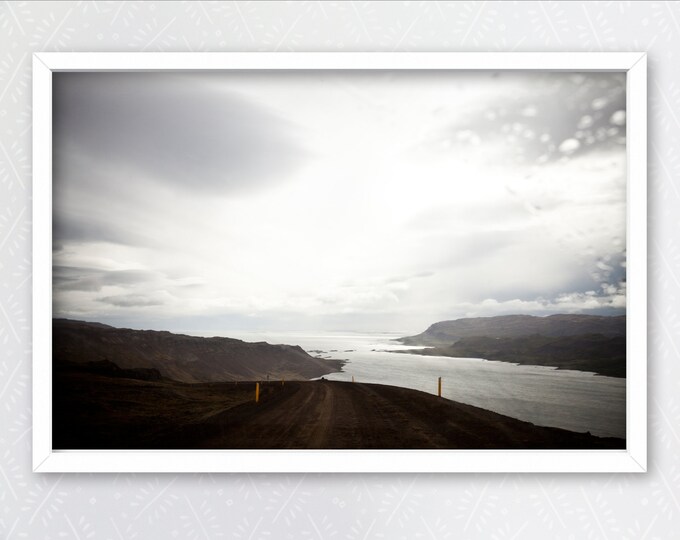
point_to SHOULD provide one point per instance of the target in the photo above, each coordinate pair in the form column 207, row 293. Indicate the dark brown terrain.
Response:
column 96, row 407
column 184, row 358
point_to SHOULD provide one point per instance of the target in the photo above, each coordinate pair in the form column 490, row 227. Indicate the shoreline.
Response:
column 562, row 365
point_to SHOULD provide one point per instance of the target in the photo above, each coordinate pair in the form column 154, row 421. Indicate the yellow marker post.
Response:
column 257, row 392
column 352, row 378
column 439, row 387
column 282, row 381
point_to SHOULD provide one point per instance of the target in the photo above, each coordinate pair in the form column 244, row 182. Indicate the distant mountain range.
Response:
column 506, row 326
column 581, row 342
column 181, row 357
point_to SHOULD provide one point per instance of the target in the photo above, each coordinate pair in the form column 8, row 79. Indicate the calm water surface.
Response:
column 573, row 400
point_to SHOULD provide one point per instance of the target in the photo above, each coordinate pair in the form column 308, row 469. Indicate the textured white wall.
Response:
column 350, row 506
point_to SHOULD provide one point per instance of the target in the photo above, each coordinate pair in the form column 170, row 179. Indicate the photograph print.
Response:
column 338, row 259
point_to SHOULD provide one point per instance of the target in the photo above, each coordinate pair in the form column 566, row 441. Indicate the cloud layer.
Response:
column 365, row 201
column 179, row 130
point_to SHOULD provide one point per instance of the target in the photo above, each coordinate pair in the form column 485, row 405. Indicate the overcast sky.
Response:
column 373, row 201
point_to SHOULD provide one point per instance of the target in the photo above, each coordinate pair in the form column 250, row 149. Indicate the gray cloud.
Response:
column 560, row 115
column 97, row 228
column 181, row 131
column 73, row 278
column 130, row 300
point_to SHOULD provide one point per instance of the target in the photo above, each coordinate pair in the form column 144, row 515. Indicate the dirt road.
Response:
column 93, row 411
column 338, row 415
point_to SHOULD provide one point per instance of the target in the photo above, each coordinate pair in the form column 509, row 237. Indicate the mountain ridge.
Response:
column 445, row 333
column 182, row 357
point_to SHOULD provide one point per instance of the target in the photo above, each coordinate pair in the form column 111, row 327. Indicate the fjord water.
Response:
column 573, row 400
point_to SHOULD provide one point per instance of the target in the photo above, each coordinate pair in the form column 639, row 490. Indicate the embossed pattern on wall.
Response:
column 128, row 506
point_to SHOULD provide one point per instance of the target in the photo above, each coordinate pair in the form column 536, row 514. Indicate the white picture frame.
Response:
column 632, row 459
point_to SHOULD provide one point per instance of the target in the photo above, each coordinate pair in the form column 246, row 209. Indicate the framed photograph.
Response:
column 339, row 262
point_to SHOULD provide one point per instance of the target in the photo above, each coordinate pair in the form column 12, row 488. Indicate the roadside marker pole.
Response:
column 282, row 381
column 352, row 378
column 257, row 392
column 439, row 387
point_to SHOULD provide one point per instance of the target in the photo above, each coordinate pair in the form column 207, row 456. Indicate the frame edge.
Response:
column 45, row 460
column 637, row 356
column 42, row 248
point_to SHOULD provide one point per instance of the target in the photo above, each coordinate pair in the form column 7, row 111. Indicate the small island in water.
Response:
column 140, row 389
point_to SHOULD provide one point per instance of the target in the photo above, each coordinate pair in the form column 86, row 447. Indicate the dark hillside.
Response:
column 181, row 357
